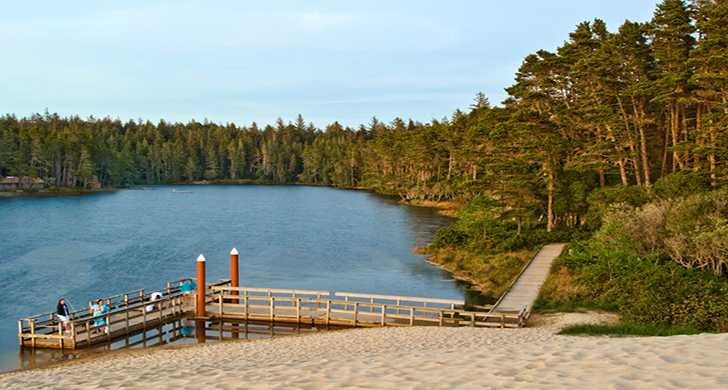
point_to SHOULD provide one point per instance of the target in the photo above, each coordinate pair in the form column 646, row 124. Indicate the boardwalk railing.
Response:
column 129, row 312
column 135, row 311
column 348, row 309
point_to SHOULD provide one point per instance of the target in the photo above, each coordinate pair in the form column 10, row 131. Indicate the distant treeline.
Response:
column 605, row 108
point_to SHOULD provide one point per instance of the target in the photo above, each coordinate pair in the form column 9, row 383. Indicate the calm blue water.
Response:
column 288, row 237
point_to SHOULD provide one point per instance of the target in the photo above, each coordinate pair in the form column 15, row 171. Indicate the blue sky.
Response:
column 238, row 61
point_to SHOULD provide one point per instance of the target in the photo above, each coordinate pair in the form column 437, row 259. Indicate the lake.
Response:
column 81, row 247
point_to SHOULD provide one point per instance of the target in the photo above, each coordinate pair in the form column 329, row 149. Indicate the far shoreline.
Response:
column 447, row 208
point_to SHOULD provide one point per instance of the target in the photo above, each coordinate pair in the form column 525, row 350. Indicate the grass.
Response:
column 543, row 306
column 625, row 330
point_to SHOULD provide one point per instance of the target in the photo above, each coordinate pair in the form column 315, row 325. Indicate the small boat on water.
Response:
column 180, row 191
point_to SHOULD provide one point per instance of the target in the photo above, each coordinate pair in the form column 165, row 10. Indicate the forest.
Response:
column 632, row 116
column 605, row 108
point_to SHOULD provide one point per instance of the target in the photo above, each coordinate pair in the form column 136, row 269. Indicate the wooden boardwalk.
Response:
column 347, row 309
column 219, row 302
column 521, row 296
column 129, row 316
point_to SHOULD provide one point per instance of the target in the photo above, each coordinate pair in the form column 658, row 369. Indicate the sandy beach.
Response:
column 408, row 358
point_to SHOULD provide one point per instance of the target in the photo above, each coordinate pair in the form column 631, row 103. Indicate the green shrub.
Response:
column 680, row 184
column 661, row 264
column 625, row 329
column 602, row 199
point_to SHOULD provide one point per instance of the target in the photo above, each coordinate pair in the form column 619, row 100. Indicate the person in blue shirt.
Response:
column 187, row 286
column 99, row 310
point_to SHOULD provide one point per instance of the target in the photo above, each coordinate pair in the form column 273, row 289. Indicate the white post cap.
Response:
column 234, row 252
column 201, row 258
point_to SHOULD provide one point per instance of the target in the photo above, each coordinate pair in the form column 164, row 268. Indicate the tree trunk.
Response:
column 550, row 189
column 623, row 172
column 685, row 159
column 451, row 162
column 675, row 128
column 666, row 146
column 643, row 145
column 635, row 154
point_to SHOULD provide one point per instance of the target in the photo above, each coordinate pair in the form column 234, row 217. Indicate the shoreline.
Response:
column 53, row 193
column 447, row 208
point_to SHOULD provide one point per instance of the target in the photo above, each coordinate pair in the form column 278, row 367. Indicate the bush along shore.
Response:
column 660, row 264
column 656, row 257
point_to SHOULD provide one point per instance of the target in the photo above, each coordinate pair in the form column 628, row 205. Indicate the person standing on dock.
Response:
column 63, row 314
column 99, row 310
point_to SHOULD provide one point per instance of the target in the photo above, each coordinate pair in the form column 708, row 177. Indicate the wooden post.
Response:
column 234, row 272
column 73, row 334
column 272, row 308
column 441, row 318
column 219, row 314
column 60, row 333
column 234, row 283
column 219, row 306
column 472, row 319
column 298, row 310
column 108, row 326
column 200, row 333
column 32, row 332
column 20, row 333
column 88, row 332
column 356, row 312
column 503, row 320
column 201, row 287
column 383, row 320
column 412, row 316
column 328, row 311
column 126, row 312
column 245, row 298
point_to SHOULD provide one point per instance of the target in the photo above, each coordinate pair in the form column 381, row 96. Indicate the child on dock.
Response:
column 99, row 310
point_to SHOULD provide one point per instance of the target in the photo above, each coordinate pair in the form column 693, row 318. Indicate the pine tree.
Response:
column 672, row 36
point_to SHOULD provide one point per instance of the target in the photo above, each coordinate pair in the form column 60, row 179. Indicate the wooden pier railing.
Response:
column 129, row 313
column 133, row 312
column 348, row 309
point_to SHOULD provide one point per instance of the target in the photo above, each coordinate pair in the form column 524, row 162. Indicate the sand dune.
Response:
column 409, row 358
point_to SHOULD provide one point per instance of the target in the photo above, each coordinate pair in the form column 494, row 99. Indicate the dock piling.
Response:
column 201, row 287
column 234, row 282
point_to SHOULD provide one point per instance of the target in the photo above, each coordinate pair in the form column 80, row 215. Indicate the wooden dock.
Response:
column 224, row 302
column 129, row 314
column 522, row 294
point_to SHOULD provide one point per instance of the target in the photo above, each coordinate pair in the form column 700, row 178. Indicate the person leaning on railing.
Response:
column 186, row 287
column 63, row 314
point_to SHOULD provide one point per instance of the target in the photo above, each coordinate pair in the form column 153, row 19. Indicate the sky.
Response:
column 240, row 61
